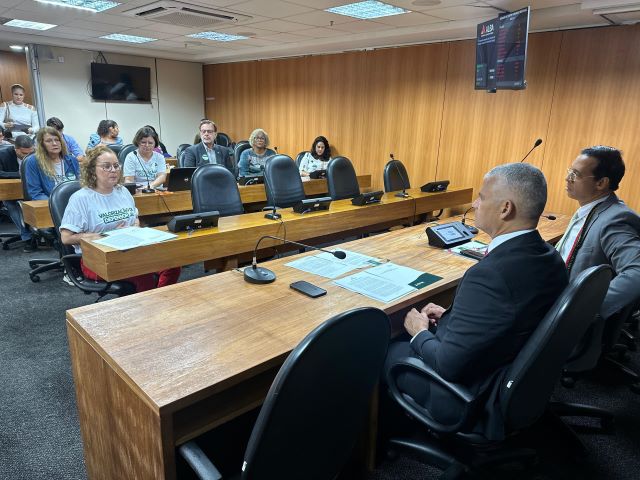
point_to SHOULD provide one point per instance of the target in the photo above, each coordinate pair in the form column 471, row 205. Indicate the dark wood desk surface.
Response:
column 36, row 212
column 238, row 234
column 156, row 369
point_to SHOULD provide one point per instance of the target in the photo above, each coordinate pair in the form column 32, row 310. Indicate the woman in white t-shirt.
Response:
column 103, row 205
column 317, row 158
column 143, row 164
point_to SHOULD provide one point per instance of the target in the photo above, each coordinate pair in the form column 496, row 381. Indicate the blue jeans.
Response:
column 15, row 213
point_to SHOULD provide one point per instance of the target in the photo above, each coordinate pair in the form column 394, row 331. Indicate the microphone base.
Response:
column 402, row 194
column 273, row 216
column 258, row 275
column 148, row 190
column 471, row 229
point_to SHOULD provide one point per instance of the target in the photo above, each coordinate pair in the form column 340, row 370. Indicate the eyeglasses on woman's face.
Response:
column 109, row 167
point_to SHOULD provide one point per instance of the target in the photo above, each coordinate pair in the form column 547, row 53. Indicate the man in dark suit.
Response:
column 206, row 151
column 11, row 158
column 603, row 231
column 498, row 304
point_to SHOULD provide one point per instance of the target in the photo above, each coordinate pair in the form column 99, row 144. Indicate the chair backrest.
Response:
column 223, row 139
column 531, row 378
column 126, row 150
column 395, row 176
column 25, row 193
column 318, row 402
column 342, row 179
column 213, row 187
column 181, row 148
column 240, row 147
column 58, row 201
column 299, row 158
column 282, row 182
column 116, row 148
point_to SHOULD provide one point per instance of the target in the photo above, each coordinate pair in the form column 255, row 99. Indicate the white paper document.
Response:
column 472, row 245
column 328, row 266
column 131, row 237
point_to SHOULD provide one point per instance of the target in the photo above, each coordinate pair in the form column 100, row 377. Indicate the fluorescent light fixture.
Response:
column 119, row 37
column 27, row 24
column 367, row 10
column 17, row 48
column 91, row 5
column 218, row 37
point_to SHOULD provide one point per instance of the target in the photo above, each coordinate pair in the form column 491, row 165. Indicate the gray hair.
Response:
column 526, row 184
column 257, row 132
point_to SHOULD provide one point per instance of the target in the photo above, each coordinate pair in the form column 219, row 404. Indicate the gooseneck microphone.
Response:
column 403, row 193
column 261, row 275
column 148, row 189
column 535, row 145
column 471, row 228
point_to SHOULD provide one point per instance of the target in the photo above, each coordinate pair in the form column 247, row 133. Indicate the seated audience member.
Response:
column 10, row 160
column 498, row 304
column 206, row 151
column 107, row 134
column 160, row 148
column 3, row 140
column 50, row 165
column 603, row 230
column 103, row 204
column 72, row 146
column 317, row 158
column 18, row 117
column 144, row 164
column 252, row 160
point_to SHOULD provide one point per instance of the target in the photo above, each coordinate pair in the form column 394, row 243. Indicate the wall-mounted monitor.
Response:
column 120, row 83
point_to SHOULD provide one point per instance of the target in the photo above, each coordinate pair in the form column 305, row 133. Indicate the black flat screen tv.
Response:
column 120, row 83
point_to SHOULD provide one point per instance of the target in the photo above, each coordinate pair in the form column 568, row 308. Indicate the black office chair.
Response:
column 116, row 148
column 58, row 201
column 524, row 390
column 48, row 235
column 223, row 139
column 213, row 187
column 126, row 150
column 181, row 148
column 299, row 158
column 283, row 184
column 8, row 238
column 317, row 404
column 342, row 179
column 240, row 147
column 395, row 176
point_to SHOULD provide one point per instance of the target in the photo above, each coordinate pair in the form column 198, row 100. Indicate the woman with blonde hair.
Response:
column 252, row 160
column 16, row 116
column 104, row 204
column 49, row 165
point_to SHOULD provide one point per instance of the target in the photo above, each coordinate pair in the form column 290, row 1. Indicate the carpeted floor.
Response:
column 40, row 434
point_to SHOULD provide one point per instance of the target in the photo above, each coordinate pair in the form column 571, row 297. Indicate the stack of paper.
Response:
column 472, row 245
column 131, row 237
column 328, row 266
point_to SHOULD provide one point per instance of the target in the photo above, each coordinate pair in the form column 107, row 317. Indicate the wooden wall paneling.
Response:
column 13, row 69
column 281, row 104
column 482, row 130
column 233, row 89
column 596, row 102
column 338, row 107
column 406, row 92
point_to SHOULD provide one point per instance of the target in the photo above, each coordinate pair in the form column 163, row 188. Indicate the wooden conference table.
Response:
column 36, row 212
column 238, row 234
column 157, row 369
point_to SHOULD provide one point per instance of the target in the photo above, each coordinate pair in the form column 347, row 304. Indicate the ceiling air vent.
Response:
column 185, row 15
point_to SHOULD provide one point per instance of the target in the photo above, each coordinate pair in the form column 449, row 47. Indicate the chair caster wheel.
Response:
column 35, row 278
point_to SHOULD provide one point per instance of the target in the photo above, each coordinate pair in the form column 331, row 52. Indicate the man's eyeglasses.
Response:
column 207, row 131
column 109, row 167
column 573, row 175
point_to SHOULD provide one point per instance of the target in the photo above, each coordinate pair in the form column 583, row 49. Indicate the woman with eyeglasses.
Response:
column 103, row 204
column 252, row 160
column 145, row 164
column 49, row 165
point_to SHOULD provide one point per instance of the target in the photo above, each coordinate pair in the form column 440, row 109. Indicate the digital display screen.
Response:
column 450, row 234
column 486, row 56
column 120, row 83
column 511, row 49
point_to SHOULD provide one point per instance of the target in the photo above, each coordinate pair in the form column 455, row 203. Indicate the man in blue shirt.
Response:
column 72, row 146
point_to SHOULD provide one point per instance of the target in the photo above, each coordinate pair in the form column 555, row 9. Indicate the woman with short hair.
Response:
column 253, row 159
column 49, row 165
column 103, row 204
column 317, row 158
column 107, row 134
column 18, row 117
column 145, row 165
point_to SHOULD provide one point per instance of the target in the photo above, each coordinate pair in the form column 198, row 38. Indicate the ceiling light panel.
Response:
column 119, row 37
column 28, row 24
column 90, row 5
column 217, row 36
column 367, row 10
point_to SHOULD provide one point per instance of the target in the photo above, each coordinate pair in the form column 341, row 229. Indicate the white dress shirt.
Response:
column 565, row 245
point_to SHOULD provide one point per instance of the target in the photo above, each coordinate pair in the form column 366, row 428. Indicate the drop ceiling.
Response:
column 284, row 28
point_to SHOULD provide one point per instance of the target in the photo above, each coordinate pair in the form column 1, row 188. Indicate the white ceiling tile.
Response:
column 286, row 25
column 286, row 38
column 464, row 12
column 320, row 32
column 319, row 18
column 513, row 5
column 122, row 20
column 408, row 4
column 259, row 42
column 408, row 20
column 33, row 16
column 78, row 32
column 99, row 27
column 140, row 32
column 271, row 8
column 321, row 4
column 362, row 26
column 175, row 29
column 563, row 16
column 247, row 30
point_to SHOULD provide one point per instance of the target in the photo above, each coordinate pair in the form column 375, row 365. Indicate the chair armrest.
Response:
column 199, row 462
column 67, row 261
column 418, row 367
